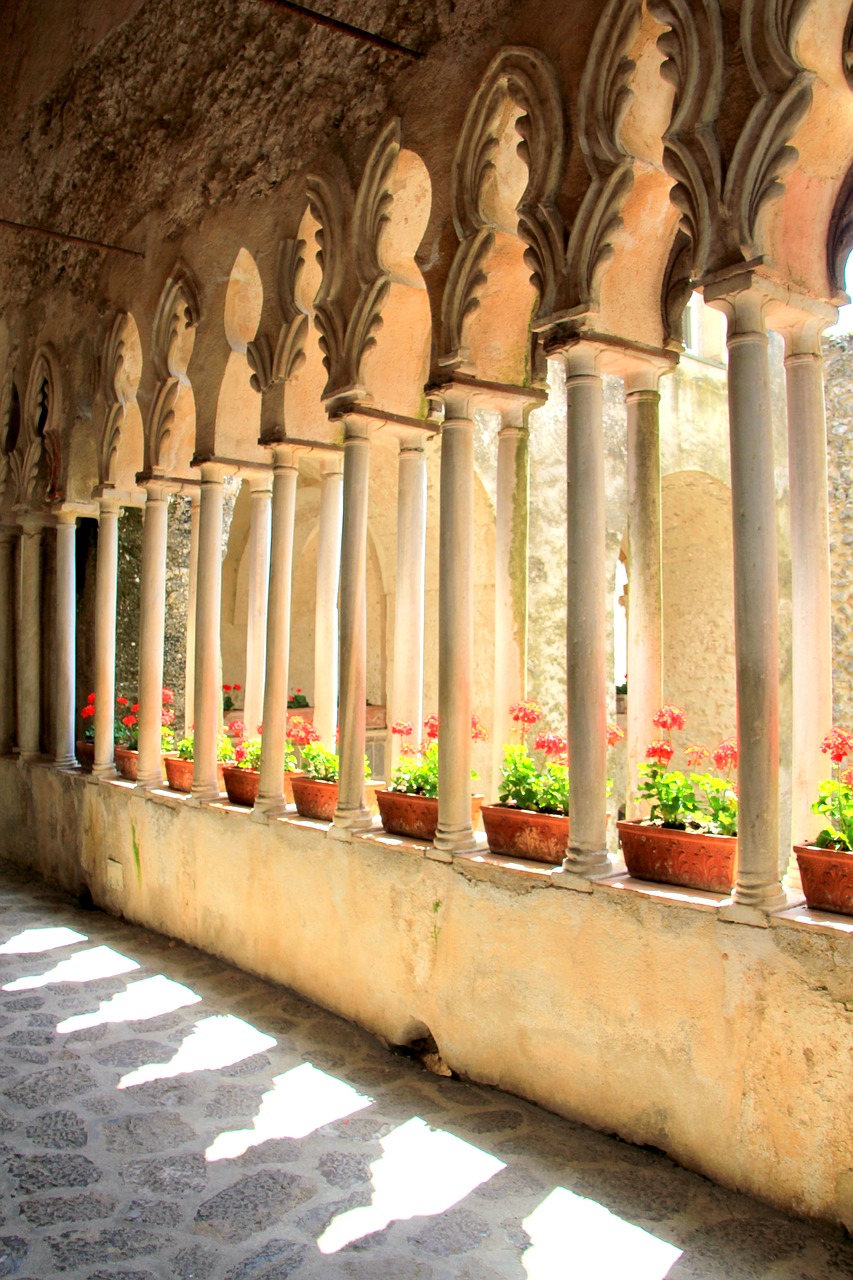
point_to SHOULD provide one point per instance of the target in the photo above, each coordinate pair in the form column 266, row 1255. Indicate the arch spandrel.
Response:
column 300, row 355
column 35, row 464
column 170, row 420
column 237, row 415
column 121, row 437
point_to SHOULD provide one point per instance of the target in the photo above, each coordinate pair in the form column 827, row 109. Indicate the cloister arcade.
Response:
column 331, row 346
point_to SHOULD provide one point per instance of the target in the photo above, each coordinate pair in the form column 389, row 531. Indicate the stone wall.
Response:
column 838, row 381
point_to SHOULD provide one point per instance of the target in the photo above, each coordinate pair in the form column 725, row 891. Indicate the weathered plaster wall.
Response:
column 724, row 1045
column 838, row 381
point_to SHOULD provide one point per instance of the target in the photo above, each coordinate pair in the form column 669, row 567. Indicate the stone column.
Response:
column 192, row 602
column 455, row 832
column 29, row 640
column 645, row 577
column 586, row 648
column 758, row 889
column 7, row 640
column 66, row 638
column 407, row 698
column 352, row 812
column 271, row 783
column 208, row 685
column 326, row 637
column 152, row 620
column 106, row 589
column 811, row 597
column 259, row 574
column 511, row 545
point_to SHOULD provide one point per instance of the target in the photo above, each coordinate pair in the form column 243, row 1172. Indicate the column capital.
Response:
column 284, row 458
column 462, row 395
column 109, row 504
column 261, row 486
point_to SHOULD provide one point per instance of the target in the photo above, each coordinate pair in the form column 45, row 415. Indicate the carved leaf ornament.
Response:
column 179, row 310
column 118, row 391
column 326, row 205
column 7, row 409
column 528, row 79
column 40, row 428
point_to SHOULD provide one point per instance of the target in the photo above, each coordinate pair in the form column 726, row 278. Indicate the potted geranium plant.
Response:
column 409, row 805
column 531, row 819
column 126, row 737
column 180, row 765
column 826, row 867
column 315, row 789
column 684, row 841
column 242, row 777
column 84, row 748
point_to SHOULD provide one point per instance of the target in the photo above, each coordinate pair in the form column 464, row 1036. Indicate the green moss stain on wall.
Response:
column 135, row 846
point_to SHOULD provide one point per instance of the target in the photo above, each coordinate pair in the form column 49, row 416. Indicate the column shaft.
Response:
column 585, row 591
column 29, row 642
column 511, row 546
column 208, row 690
column 66, row 640
column 756, row 615
column 271, row 783
column 455, row 635
column 106, row 594
column 192, row 601
column 326, row 638
column 407, row 699
column 7, row 640
column 352, row 812
column 152, row 621
column 645, row 590
column 810, row 589
column 259, row 575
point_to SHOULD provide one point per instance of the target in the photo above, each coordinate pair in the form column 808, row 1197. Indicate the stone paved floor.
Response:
column 164, row 1115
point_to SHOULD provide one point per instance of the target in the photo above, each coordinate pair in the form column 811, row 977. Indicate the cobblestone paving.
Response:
column 164, row 1115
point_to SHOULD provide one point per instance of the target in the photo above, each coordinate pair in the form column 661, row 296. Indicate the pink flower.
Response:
column 478, row 733
column 696, row 754
column 669, row 717
column 525, row 712
column 168, row 696
column 240, row 752
column 301, row 732
column 614, row 734
column 237, row 728
column 725, row 755
column 837, row 744
column 402, row 728
column 661, row 751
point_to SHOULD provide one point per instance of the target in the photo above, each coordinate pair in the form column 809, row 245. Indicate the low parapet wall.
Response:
column 637, row 1012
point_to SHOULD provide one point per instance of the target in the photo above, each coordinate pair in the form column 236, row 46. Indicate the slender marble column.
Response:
column 756, row 598
column 29, row 640
column 208, row 684
column 455, row 832
column 152, row 621
column 192, row 603
column 259, row 574
column 811, row 597
column 271, row 783
column 7, row 640
column 511, row 545
column 352, row 812
column 645, row 579
column 106, row 594
column 326, row 638
column 408, row 689
column 66, row 639
column 586, row 651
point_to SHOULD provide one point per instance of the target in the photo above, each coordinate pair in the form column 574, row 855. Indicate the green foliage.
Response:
column 721, row 800
column 528, row 785
column 297, row 700
column 248, row 754
column 167, row 738
column 416, row 773
column 835, row 802
column 324, row 765
column 185, row 747
column 671, row 795
column 224, row 748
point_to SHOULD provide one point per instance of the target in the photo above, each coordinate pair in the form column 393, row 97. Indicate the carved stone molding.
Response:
column 119, row 389
column 527, row 78
column 839, row 243
column 9, row 409
column 602, row 102
column 326, row 202
column 179, row 309
column 40, row 430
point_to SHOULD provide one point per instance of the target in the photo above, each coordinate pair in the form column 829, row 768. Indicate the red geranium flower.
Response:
column 837, row 744
column 129, row 720
column 725, row 755
column 87, row 711
column 669, row 717
column 614, row 734
column 237, row 688
column 123, row 702
column 696, row 754
column 301, row 732
column 551, row 743
column 91, row 697
column 661, row 751
column 168, row 695
column 226, row 688
column 135, row 706
column 237, row 729
column 431, row 726
column 478, row 733
column 402, row 728
column 528, row 713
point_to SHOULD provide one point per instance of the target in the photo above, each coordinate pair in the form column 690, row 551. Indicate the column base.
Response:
column 28, row 757
column 580, row 871
column 452, row 840
column 149, row 784
column 268, row 807
column 732, row 911
column 203, row 795
column 104, row 770
column 66, row 762
column 353, row 819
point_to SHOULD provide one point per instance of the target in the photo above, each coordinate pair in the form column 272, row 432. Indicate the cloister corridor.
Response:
column 165, row 1115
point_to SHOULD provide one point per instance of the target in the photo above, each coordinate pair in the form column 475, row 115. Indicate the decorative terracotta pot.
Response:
column 127, row 763
column 179, row 774
column 416, row 816
column 85, row 753
column 525, row 833
column 289, row 775
column 694, row 859
column 315, row 799
column 241, row 784
column 827, row 876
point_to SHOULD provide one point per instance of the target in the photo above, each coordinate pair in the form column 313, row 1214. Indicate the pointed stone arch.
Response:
column 121, row 370
column 40, row 430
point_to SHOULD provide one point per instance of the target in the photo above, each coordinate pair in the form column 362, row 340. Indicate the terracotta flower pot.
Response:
column 694, row 859
column 827, row 876
column 127, row 763
column 374, row 717
column 179, row 774
column 85, row 753
column 289, row 775
column 416, row 816
column 315, row 799
column 241, row 784
column 525, row 833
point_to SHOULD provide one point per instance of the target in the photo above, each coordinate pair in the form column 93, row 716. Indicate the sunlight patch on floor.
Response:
column 299, row 1102
column 85, row 966
column 32, row 941
column 149, row 998
column 422, row 1172
column 213, row 1043
column 576, row 1237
